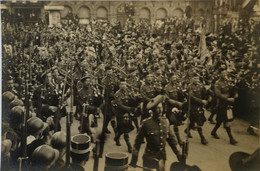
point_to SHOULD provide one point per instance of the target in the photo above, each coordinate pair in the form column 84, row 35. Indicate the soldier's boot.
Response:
column 189, row 135
column 202, row 138
column 106, row 125
column 129, row 146
column 214, row 131
column 136, row 123
column 113, row 124
column 176, row 131
column 231, row 139
column 210, row 119
column 177, row 153
column 117, row 139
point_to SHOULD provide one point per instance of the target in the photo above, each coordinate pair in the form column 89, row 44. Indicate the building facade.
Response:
column 55, row 12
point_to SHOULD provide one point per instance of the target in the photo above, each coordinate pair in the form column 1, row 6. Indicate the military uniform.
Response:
column 197, row 100
column 135, row 97
column 123, row 116
column 46, row 100
column 92, row 100
column 174, row 109
column 156, row 132
column 45, row 95
column 111, row 86
column 148, row 92
column 226, row 95
column 173, row 102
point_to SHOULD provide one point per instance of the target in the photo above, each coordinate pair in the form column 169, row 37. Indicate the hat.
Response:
column 155, row 101
column 116, row 160
column 80, row 144
column 183, row 167
column 240, row 161
column 58, row 140
column 8, row 96
column 44, row 156
column 15, row 102
column 35, row 125
column 17, row 113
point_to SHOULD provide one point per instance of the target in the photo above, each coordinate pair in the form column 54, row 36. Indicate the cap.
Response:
column 44, row 156
column 17, row 113
column 35, row 126
column 15, row 102
column 80, row 148
column 58, row 140
column 8, row 96
column 235, row 161
column 80, row 144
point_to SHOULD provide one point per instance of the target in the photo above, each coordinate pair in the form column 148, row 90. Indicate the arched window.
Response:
column 64, row 13
column 178, row 12
column 161, row 14
column 84, row 12
column 102, row 13
column 84, row 15
column 145, row 14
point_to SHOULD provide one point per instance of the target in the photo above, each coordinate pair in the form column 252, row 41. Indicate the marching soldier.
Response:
column 89, row 102
column 45, row 97
column 198, row 100
column 123, row 115
column 148, row 91
column 110, row 84
column 226, row 95
column 133, row 83
column 156, row 130
column 174, row 105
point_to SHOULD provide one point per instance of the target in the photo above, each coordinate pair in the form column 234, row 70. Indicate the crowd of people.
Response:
column 118, row 72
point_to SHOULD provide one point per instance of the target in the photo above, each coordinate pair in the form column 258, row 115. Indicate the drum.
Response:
column 116, row 161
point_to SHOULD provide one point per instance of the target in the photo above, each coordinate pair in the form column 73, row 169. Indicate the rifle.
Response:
column 99, row 148
column 96, row 153
column 24, row 128
column 61, row 101
column 185, row 145
column 68, row 123
column 25, row 116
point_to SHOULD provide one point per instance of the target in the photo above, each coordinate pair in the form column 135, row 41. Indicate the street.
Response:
column 211, row 157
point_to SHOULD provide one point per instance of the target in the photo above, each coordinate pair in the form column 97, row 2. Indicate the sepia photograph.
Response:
column 141, row 85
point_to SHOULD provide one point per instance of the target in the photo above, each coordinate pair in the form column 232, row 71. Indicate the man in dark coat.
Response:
column 156, row 131
column 123, row 115
column 89, row 102
column 198, row 100
column 226, row 95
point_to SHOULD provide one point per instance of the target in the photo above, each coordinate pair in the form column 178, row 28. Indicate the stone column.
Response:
column 54, row 14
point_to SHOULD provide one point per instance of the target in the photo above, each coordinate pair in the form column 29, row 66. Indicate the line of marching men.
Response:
column 121, row 103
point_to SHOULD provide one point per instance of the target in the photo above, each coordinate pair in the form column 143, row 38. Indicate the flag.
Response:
column 203, row 51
